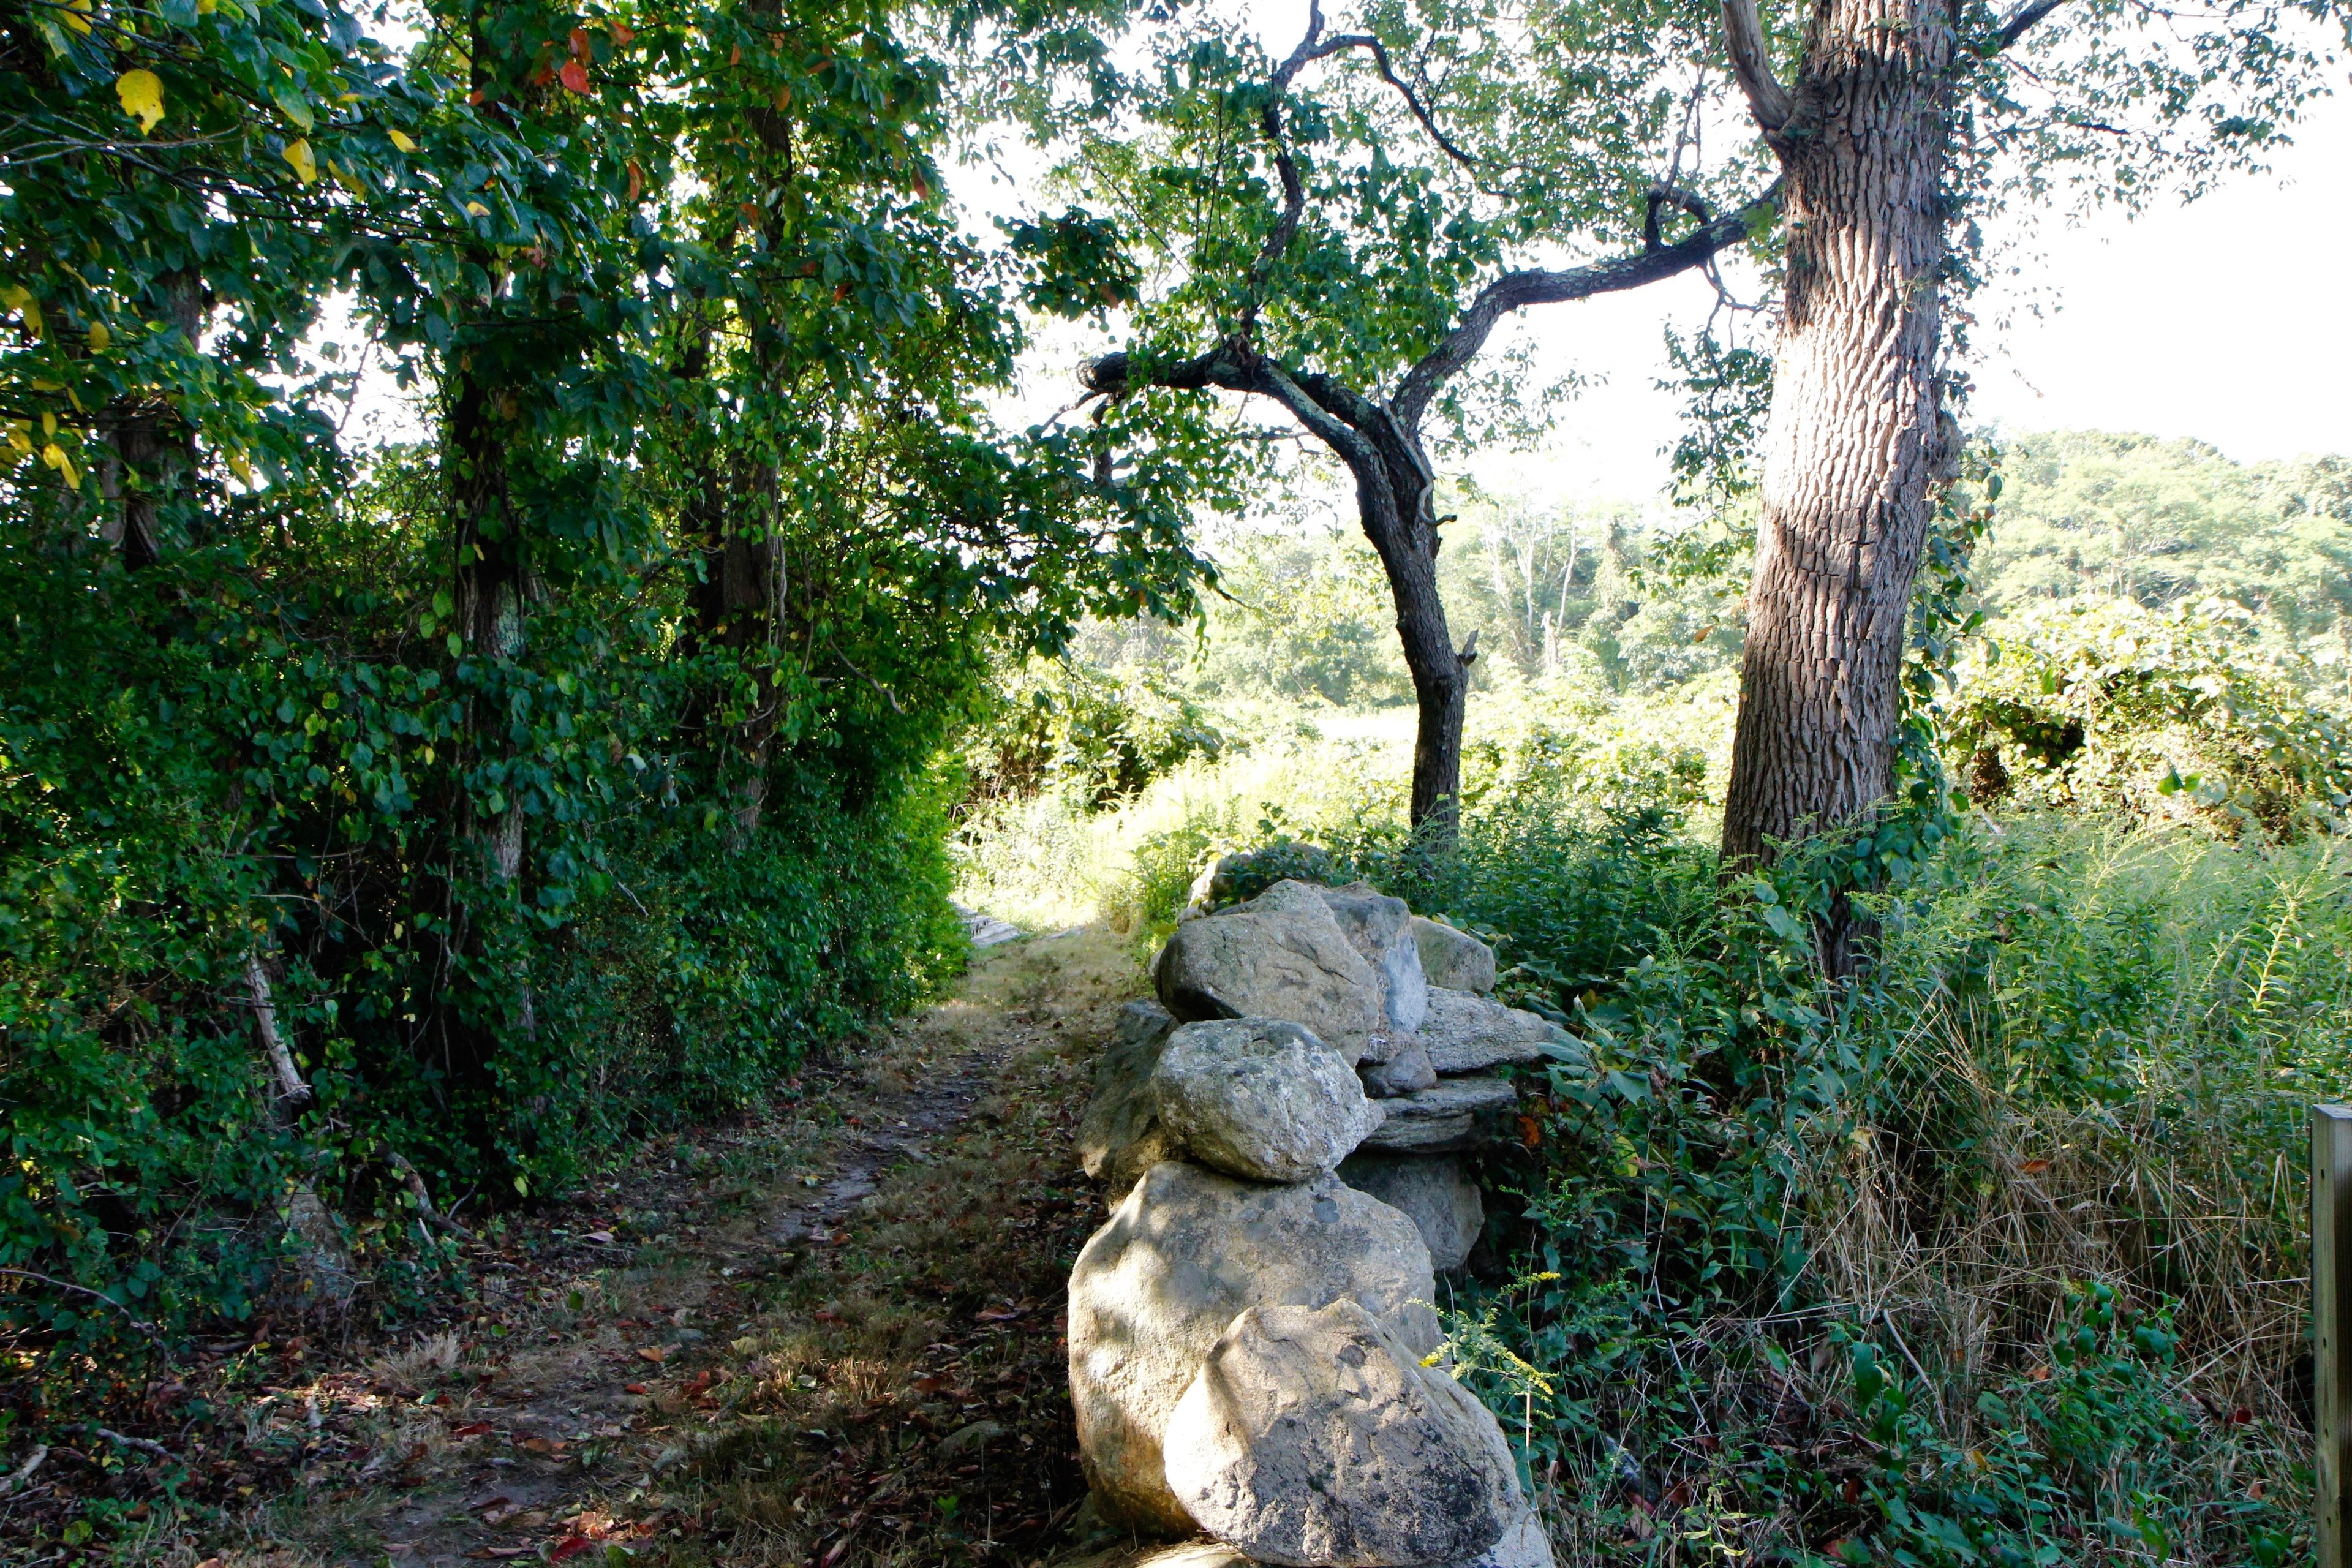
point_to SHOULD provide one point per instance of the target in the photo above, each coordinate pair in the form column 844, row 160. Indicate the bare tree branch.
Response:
column 1752, row 64
column 1379, row 53
column 1514, row 291
column 2023, row 20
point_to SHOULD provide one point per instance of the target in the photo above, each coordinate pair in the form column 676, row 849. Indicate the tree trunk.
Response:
column 154, row 449
column 1407, row 543
column 736, row 605
column 1857, row 440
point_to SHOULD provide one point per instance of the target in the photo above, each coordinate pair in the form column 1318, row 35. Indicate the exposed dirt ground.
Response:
column 831, row 1337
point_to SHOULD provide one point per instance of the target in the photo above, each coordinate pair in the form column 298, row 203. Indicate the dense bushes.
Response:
column 1996, row 1258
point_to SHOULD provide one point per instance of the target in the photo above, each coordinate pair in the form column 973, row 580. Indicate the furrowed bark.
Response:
column 154, row 449
column 1857, row 440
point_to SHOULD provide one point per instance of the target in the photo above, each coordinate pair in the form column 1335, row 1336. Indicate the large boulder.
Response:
column 1260, row 1098
column 1379, row 928
column 1470, row 1033
column 1313, row 1438
column 1186, row 1251
column 1118, row 1137
column 1433, row 1190
column 1453, row 959
column 1444, row 1118
column 1281, row 956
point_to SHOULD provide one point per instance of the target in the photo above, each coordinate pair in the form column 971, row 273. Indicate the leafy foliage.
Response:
column 566, row 774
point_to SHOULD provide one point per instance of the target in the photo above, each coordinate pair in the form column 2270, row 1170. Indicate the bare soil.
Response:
column 831, row 1335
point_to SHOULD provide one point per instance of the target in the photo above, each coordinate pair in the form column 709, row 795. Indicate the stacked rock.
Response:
column 1282, row 1135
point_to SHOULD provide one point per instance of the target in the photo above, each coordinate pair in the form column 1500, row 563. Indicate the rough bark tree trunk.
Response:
column 154, row 449
column 1405, row 538
column 1858, row 440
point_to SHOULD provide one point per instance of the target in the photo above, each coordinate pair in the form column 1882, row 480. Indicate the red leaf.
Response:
column 633, row 1388
column 471, row 1429
column 578, row 43
column 2035, row 1167
column 570, row 1546
column 575, row 76
column 622, row 33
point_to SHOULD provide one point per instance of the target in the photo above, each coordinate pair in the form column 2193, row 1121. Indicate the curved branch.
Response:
column 1514, row 291
column 1752, row 64
column 1666, row 196
column 2021, row 21
column 1379, row 53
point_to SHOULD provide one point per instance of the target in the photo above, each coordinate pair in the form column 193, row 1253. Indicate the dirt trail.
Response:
column 832, row 1336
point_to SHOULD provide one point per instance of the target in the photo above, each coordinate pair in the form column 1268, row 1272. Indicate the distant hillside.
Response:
column 2156, row 520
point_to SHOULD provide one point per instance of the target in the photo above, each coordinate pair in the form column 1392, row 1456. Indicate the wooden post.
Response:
column 2331, row 1326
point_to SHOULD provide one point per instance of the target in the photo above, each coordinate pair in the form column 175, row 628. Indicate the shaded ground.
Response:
column 830, row 1337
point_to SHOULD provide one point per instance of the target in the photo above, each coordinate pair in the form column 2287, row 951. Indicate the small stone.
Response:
column 969, row 1437
column 1380, row 928
column 1405, row 1069
column 1281, row 956
column 1435, row 1191
column 1118, row 1137
column 1260, row 1098
column 1470, row 1033
column 1441, row 1120
column 1453, row 959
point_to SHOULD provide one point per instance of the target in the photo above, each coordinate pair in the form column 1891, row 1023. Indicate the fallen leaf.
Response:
column 2035, row 1167
column 634, row 1388
column 997, row 1314
column 654, row 1353
column 602, row 1237
column 500, row 1501
column 570, row 1546
column 471, row 1429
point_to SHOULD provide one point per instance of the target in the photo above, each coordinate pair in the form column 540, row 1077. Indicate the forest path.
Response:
column 835, row 1340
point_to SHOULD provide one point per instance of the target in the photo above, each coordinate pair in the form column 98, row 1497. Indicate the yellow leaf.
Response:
column 206, row 7
column 347, row 181
column 20, row 300
column 240, row 468
column 77, row 14
column 20, row 435
column 100, row 335
column 402, row 140
column 49, row 424
column 478, row 209
column 142, row 92
column 306, row 167
column 55, row 457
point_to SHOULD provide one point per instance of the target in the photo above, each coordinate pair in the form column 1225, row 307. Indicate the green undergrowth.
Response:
column 1994, row 1257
